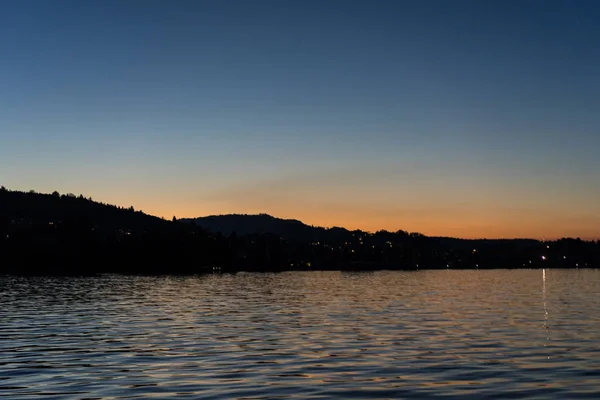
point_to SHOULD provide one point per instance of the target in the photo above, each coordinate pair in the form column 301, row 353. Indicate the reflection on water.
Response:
column 496, row 334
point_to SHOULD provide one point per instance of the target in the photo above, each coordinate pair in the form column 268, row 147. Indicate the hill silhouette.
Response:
column 53, row 233
column 35, row 208
column 260, row 224
column 292, row 229
column 68, row 234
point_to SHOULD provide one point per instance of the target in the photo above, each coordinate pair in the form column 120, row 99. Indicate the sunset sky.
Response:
column 455, row 118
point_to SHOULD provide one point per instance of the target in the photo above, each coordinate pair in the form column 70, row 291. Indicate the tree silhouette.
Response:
column 76, row 235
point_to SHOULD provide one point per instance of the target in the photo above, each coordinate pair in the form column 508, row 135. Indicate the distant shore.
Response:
column 68, row 234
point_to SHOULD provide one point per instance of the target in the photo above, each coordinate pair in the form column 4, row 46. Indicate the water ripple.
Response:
column 430, row 334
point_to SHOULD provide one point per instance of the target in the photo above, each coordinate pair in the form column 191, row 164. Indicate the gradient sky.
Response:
column 460, row 118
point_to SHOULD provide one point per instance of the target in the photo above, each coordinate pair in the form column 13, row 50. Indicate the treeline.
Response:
column 68, row 234
column 57, row 233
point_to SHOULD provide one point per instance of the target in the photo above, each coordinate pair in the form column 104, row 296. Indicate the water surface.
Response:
column 424, row 334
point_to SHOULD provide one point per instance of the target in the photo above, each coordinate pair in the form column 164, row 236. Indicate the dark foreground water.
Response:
column 431, row 334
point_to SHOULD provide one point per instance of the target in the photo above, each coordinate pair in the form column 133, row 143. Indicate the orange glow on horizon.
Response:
column 453, row 224
column 473, row 221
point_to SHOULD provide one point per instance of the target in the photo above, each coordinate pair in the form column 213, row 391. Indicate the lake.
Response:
column 423, row 334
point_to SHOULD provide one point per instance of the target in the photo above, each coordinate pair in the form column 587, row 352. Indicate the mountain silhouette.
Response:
column 253, row 224
column 37, row 208
column 68, row 234
column 292, row 229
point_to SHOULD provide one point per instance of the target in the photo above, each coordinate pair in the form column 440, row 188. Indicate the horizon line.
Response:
column 541, row 239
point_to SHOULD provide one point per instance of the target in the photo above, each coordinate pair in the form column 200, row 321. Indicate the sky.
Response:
column 451, row 118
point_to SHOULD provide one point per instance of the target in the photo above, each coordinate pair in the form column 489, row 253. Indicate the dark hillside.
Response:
column 52, row 233
column 67, row 234
column 243, row 224
column 35, row 208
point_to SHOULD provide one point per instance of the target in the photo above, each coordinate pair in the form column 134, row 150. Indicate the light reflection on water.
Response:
column 493, row 334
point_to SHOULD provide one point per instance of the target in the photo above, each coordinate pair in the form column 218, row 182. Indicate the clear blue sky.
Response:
column 466, row 118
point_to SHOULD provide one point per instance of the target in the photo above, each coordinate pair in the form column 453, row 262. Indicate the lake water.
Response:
column 424, row 334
